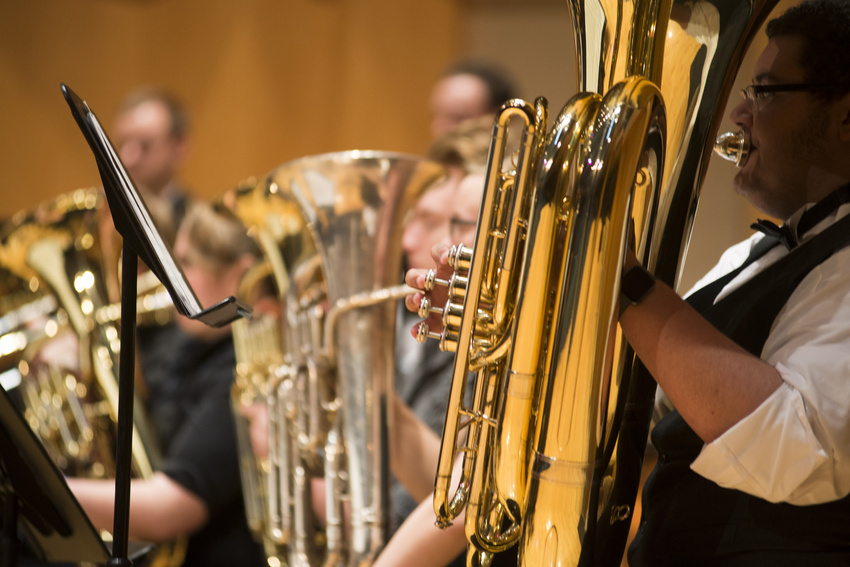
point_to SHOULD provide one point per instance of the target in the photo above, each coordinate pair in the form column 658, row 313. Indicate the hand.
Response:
column 257, row 416
column 437, row 296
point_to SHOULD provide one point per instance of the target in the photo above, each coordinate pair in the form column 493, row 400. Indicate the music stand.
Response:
column 140, row 240
column 36, row 496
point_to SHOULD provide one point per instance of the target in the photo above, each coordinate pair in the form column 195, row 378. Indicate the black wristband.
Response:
column 635, row 285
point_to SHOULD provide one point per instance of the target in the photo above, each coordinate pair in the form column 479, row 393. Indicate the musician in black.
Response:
column 197, row 493
column 754, row 461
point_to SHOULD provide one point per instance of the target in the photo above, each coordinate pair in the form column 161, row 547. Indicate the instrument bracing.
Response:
column 553, row 441
column 330, row 228
column 59, row 327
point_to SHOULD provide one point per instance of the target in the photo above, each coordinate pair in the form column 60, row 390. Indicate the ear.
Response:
column 180, row 149
column 239, row 268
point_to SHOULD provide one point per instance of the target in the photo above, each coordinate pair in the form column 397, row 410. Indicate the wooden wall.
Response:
column 271, row 80
column 266, row 80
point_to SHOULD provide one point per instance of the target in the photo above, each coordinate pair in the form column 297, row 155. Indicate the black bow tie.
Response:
column 783, row 234
column 808, row 219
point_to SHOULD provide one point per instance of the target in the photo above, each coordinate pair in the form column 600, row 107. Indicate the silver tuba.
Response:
column 330, row 229
column 552, row 446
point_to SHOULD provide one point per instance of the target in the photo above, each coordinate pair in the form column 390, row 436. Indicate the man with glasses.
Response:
column 754, row 462
column 418, row 539
column 152, row 136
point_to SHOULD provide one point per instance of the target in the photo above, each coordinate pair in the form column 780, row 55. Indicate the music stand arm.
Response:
column 126, row 393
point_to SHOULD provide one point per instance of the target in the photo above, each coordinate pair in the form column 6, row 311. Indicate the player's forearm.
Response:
column 712, row 381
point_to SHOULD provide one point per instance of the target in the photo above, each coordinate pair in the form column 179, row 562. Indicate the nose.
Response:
column 742, row 114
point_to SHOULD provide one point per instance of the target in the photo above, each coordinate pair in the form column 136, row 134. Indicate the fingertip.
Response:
column 440, row 252
column 411, row 302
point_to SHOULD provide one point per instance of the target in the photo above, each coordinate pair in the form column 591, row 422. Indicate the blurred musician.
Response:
column 151, row 135
column 468, row 89
column 423, row 373
column 418, row 541
column 197, row 492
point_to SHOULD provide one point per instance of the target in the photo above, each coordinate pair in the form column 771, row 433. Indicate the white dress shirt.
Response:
column 795, row 447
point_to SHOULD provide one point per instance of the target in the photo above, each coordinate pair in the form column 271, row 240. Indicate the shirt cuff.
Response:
column 768, row 454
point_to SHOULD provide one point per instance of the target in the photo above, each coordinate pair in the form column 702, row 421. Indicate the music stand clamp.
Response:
column 141, row 239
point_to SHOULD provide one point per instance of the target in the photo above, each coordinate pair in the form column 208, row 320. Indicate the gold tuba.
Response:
column 553, row 442
column 59, row 324
column 330, row 228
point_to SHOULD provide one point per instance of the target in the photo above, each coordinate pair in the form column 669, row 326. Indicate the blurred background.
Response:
column 268, row 81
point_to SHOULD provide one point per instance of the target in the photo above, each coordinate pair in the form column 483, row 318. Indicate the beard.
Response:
column 775, row 181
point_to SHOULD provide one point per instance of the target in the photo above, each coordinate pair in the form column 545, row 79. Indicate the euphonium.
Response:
column 61, row 338
column 554, row 438
column 330, row 228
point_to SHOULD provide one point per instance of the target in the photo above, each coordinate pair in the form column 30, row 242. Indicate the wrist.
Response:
column 636, row 284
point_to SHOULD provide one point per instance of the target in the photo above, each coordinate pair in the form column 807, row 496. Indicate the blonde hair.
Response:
column 216, row 235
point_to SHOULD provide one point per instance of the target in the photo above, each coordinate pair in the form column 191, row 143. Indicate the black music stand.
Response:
column 140, row 239
column 36, row 497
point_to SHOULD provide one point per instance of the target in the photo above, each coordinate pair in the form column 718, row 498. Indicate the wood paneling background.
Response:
column 268, row 81
column 265, row 80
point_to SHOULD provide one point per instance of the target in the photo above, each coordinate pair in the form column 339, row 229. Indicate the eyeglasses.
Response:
column 758, row 95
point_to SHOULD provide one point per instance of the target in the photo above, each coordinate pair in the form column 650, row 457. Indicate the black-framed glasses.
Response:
column 757, row 95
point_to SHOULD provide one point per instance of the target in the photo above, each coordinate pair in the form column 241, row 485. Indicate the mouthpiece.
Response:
column 733, row 146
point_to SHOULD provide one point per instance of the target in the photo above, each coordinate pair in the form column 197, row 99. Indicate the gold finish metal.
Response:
column 534, row 315
column 59, row 327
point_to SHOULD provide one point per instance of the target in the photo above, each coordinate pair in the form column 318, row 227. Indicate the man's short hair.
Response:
column 501, row 85
column 175, row 107
column 824, row 27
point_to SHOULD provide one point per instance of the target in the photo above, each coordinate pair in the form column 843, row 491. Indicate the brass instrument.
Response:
column 560, row 405
column 330, row 229
column 59, row 322
column 733, row 146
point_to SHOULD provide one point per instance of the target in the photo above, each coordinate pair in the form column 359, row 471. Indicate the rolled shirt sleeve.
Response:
column 795, row 447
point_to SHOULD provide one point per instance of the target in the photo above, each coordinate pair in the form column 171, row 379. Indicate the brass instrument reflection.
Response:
column 59, row 335
column 556, row 384
column 330, row 228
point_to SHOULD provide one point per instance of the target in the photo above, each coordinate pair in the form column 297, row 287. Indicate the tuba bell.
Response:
column 59, row 327
column 552, row 445
column 330, row 229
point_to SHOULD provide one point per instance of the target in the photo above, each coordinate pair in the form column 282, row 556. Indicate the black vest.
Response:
column 690, row 521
